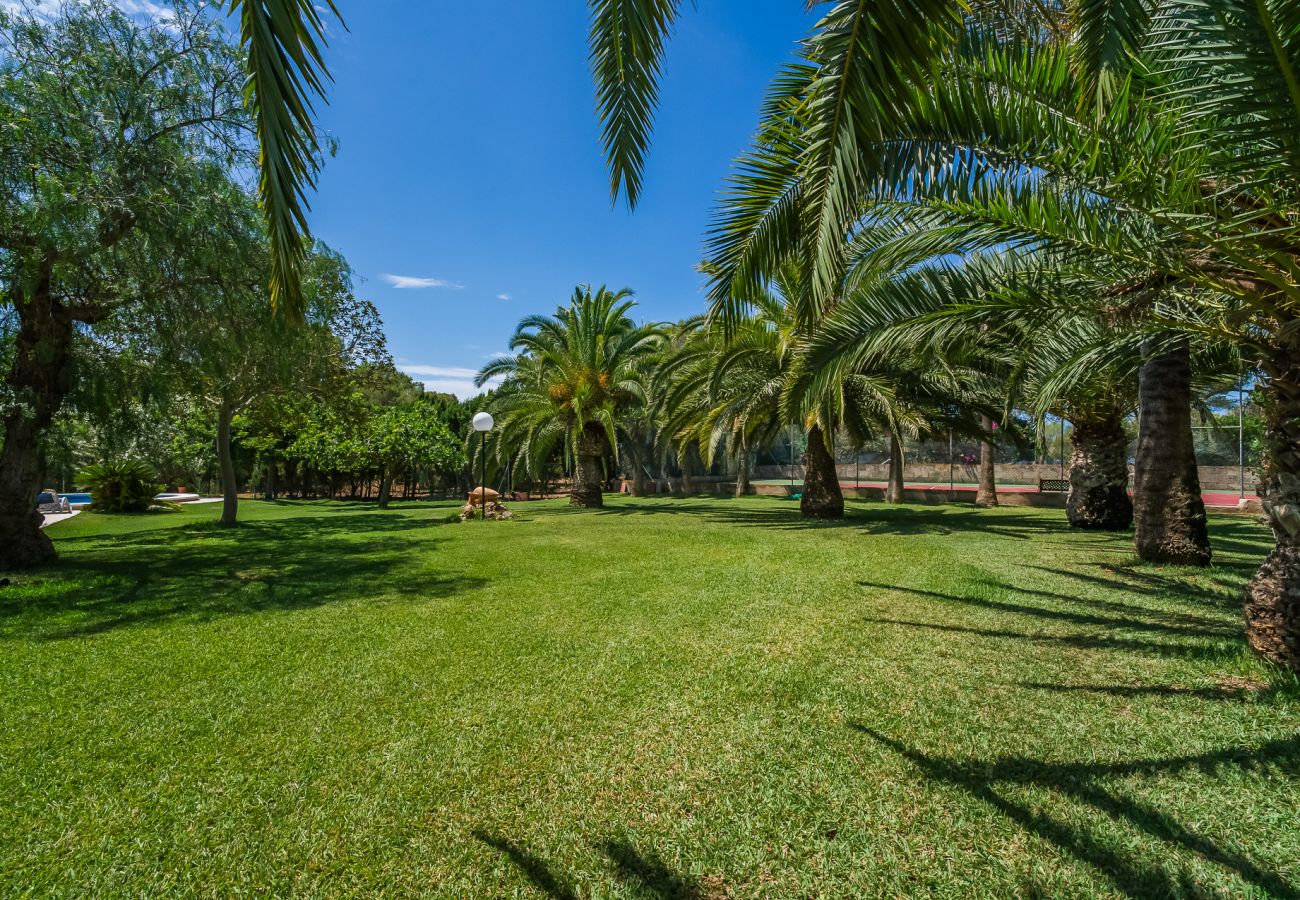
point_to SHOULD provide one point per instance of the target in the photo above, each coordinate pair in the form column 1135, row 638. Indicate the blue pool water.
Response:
column 77, row 499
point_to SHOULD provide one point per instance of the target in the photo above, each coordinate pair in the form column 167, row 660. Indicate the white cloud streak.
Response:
column 413, row 283
column 456, row 380
column 439, row 371
column 49, row 9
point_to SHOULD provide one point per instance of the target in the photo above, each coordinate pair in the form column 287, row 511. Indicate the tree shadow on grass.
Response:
column 201, row 571
column 1084, row 782
column 1247, row 693
column 874, row 519
column 1225, row 593
column 533, row 867
column 1126, row 617
column 644, row 872
column 1079, row 641
column 649, row 873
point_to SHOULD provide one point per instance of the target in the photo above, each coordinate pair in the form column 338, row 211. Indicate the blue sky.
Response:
column 469, row 188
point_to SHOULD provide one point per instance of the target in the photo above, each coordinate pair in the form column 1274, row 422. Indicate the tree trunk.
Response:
column 685, row 487
column 385, row 486
column 822, row 498
column 987, row 495
column 1099, row 499
column 742, row 473
column 587, row 475
column 229, row 487
column 39, row 377
column 1167, row 507
column 1273, row 596
column 894, row 491
column 636, row 486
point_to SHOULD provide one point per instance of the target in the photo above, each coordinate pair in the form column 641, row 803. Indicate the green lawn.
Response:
column 665, row 699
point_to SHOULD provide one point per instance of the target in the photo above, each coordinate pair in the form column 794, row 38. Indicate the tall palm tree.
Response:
column 574, row 378
column 758, row 362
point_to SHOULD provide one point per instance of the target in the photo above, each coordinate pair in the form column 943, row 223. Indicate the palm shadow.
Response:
column 645, row 872
column 198, row 572
column 1252, row 692
column 869, row 518
column 533, row 867
column 649, row 873
column 1075, row 641
column 1115, row 615
column 1084, row 782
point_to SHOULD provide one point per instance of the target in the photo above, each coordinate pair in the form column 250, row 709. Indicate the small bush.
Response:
column 121, row 486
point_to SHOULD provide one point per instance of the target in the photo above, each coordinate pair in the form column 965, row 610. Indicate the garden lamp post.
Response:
column 1241, row 438
column 483, row 423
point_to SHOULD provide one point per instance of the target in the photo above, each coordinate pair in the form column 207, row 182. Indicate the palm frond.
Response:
column 626, row 41
column 283, row 40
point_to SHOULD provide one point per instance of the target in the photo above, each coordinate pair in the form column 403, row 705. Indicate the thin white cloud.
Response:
column 146, row 8
column 457, row 380
column 439, row 371
column 504, row 297
column 412, row 282
column 464, row 390
column 50, row 9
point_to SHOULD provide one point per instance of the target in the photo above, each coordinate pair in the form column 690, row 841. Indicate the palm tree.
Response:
column 571, row 384
column 758, row 363
column 1054, row 145
column 1052, row 140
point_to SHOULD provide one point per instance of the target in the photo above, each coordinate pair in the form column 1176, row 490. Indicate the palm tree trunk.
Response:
column 587, row 475
column 1273, row 597
column 987, row 495
column 742, row 473
column 39, row 377
column 1167, row 506
column 229, row 487
column 1099, row 497
column 685, row 487
column 822, row 497
column 894, row 492
column 636, row 487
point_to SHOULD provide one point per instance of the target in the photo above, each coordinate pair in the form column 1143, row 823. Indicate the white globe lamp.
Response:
column 483, row 423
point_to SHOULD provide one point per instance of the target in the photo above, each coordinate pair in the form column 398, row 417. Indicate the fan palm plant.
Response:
column 572, row 381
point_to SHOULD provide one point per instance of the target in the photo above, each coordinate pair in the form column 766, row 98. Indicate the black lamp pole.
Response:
column 1062, row 460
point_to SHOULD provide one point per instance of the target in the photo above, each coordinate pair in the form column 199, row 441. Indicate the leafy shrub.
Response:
column 121, row 486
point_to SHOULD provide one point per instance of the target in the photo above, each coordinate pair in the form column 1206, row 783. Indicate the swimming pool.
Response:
column 77, row 499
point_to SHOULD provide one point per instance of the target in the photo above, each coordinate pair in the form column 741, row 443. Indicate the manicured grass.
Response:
column 664, row 699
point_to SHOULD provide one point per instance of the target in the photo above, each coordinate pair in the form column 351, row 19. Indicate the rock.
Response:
column 495, row 511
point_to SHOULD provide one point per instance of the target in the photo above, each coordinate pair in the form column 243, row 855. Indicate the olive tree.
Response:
column 111, row 131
